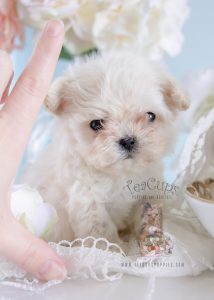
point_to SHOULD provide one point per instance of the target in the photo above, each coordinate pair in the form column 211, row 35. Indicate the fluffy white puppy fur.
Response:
column 83, row 172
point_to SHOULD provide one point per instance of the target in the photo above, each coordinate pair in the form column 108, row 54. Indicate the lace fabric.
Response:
column 112, row 263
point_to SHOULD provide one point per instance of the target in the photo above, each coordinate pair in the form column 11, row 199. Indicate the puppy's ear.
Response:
column 57, row 101
column 174, row 96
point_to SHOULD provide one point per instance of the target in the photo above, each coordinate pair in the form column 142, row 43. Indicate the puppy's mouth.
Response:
column 129, row 156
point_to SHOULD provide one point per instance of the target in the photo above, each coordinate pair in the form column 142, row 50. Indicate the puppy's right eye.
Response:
column 96, row 125
column 151, row 116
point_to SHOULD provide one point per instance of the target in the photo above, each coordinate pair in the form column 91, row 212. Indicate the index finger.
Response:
column 32, row 86
column 24, row 102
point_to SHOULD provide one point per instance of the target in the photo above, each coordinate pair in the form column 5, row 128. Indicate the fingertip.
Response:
column 32, row 254
column 47, row 264
column 52, row 270
column 54, row 28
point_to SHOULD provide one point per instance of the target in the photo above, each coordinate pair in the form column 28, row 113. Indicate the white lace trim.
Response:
column 193, row 157
column 110, row 264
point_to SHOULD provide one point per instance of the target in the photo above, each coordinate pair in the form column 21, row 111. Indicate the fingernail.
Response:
column 52, row 270
column 54, row 27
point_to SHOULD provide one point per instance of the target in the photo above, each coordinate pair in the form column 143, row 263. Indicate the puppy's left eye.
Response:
column 96, row 124
column 151, row 116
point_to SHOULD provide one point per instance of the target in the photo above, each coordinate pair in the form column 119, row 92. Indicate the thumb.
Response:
column 31, row 253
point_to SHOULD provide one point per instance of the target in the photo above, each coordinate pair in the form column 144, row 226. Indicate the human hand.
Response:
column 16, row 120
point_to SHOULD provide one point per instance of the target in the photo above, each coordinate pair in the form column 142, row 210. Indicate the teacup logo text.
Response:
column 152, row 185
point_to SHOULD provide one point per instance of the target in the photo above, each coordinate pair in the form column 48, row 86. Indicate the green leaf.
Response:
column 65, row 54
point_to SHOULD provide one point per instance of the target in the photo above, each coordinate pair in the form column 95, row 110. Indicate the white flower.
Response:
column 161, row 32
column 152, row 27
column 29, row 209
column 117, row 24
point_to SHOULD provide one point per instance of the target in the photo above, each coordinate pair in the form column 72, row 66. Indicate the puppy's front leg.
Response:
column 89, row 217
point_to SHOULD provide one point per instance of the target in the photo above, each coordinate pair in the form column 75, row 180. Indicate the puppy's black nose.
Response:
column 128, row 143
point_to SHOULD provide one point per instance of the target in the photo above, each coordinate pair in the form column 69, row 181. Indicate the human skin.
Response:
column 16, row 120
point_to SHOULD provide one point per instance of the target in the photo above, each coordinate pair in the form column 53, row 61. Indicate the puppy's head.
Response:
column 118, row 110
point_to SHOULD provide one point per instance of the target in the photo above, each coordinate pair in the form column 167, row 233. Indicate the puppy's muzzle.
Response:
column 128, row 143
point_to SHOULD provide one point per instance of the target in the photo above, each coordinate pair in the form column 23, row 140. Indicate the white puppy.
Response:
column 115, row 120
